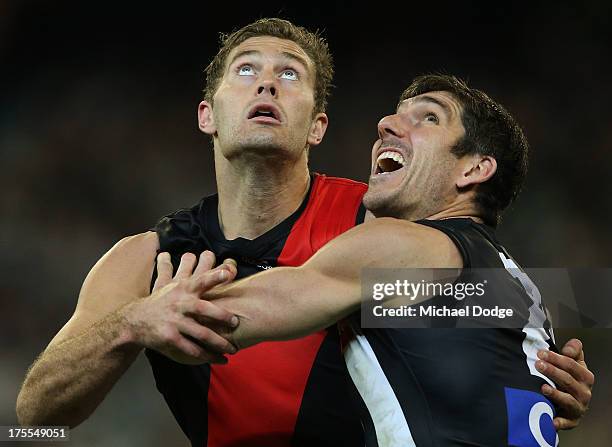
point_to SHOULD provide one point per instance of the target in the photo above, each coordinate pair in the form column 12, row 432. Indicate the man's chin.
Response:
column 381, row 203
column 261, row 143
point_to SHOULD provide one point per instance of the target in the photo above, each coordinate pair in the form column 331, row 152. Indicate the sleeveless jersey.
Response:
column 454, row 386
column 275, row 393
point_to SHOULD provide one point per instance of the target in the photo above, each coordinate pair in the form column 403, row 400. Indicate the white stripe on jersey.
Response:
column 535, row 335
column 369, row 378
column 535, row 339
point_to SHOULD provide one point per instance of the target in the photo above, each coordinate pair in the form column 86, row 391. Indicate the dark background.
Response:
column 98, row 139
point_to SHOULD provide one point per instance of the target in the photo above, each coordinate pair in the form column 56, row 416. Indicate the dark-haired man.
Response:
column 264, row 107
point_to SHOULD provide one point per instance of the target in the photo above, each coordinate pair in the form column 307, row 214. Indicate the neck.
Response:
column 460, row 207
column 463, row 208
column 258, row 193
column 448, row 214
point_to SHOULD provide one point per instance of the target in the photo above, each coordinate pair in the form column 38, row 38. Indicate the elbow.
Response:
column 35, row 408
column 26, row 412
column 30, row 412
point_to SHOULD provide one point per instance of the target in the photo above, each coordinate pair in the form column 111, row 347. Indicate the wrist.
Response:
column 128, row 333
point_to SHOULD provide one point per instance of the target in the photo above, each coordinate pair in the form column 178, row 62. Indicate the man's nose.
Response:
column 267, row 86
column 389, row 126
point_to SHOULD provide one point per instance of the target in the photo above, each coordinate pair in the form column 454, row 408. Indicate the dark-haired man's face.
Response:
column 265, row 100
column 413, row 171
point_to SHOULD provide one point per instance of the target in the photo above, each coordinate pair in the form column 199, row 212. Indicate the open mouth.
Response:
column 265, row 113
column 389, row 161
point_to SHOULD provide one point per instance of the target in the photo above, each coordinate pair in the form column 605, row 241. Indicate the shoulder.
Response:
column 135, row 245
column 180, row 230
column 122, row 275
column 128, row 257
column 185, row 217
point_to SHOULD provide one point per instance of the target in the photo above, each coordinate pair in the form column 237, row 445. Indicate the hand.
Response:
column 175, row 321
column 573, row 379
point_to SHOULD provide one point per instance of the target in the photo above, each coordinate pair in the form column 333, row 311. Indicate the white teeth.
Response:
column 397, row 157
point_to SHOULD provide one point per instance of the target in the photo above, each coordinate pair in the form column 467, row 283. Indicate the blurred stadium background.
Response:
column 98, row 139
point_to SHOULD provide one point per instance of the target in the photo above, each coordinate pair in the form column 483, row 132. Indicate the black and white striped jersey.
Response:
column 450, row 386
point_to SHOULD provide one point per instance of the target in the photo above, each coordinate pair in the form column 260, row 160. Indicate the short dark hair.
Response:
column 489, row 130
column 312, row 43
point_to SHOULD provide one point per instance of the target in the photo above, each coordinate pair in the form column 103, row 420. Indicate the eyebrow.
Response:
column 431, row 99
column 296, row 58
column 243, row 53
column 286, row 54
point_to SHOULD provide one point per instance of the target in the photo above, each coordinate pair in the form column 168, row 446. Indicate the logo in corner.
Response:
column 530, row 419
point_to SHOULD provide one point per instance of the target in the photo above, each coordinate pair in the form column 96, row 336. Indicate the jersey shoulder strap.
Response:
column 333, row 208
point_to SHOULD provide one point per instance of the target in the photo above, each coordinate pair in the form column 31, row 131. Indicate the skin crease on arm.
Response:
column 290, row 302
column 89, row 354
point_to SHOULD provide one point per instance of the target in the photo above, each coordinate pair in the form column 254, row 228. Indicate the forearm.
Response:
column 286, row 303
column 72, row 377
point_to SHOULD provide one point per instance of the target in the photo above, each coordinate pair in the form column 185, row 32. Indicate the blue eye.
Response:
column 245, row 70
column 291, row 75
column 432, row 118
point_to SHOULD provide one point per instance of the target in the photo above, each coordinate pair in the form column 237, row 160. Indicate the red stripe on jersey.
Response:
column 331, row 210
column 255, row 398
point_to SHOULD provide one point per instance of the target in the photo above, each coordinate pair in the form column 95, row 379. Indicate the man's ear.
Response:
column 317, row 129
column 206, row 120
column 477, row 169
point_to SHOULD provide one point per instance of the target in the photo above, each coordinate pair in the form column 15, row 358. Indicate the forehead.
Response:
column 443, row 99
column 271, row 46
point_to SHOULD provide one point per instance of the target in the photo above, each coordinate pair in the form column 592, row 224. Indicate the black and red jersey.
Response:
column 275, row 393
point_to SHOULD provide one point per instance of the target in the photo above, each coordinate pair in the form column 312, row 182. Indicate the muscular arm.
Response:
column 286, row 303
column 84, row 360
column 114, row 319
column 289, row 302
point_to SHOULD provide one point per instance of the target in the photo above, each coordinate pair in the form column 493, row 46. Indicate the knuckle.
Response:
column 168, row 335
column 565, row 379
column 173, row 306
column 194, row 351
column 590, row 379
column 208, row 277
column 578, row 343
column 202, row 333
column 187, row 256
column 209, row 309
column 202, row 307
column 587, row 397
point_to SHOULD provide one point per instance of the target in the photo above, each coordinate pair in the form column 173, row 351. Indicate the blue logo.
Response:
column 530, row 419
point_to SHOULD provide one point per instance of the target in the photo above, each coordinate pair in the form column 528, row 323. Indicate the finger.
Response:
column 565, row 382
column 197, row 355
column 164, row 270
column 569, row 365
column 205, row 337
column 207, row 280
column 205, row 262
column 573, row 349
column 231, row 269
column 568, row 406
column 565, row 424
column 231, row 261
column 185, row 268
column 203, row 309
